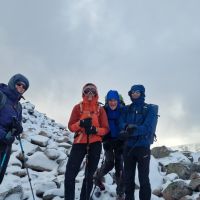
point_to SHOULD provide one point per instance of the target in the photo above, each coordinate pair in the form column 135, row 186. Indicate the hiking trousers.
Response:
column 4, row 150
column 76, row 157
column 139, row 156
column 113, row 158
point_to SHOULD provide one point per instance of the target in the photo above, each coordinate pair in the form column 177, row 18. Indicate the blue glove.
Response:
column 91, row 130
column 8, row 138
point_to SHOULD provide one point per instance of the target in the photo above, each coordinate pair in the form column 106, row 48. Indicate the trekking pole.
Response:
column 24, row 161
column 102, row 162
column 87, row 170
column 4, row 158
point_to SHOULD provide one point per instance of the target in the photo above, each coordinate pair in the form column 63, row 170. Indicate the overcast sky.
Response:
column 60, row 45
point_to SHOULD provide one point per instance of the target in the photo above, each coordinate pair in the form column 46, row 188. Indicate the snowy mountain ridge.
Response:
column 187, row 147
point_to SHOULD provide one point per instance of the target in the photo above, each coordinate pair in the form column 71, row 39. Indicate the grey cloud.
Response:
column 61, row 45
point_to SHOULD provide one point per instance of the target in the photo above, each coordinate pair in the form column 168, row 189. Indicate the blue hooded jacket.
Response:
column 113, row 115
column 134, row 114
column 12, row 107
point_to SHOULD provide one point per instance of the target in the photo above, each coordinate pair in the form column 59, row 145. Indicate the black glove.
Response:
column 91, row 130
column 124, row 135
column 87, row 122
column 17, row 128
column 9, row 138
column 130, row 128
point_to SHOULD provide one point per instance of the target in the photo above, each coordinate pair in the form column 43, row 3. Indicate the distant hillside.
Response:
column 187, row 147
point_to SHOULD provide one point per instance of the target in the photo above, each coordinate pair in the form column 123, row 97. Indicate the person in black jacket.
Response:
column 10, row 117
column 113, row 146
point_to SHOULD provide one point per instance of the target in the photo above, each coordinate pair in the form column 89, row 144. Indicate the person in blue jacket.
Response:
column 10, row 116
column 137, row 124
column 113, row 146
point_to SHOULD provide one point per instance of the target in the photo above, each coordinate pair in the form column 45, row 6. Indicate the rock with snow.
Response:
column 62, row 167
column 40, row 162
column 176, row 190
column 160, row 152
column 52, row 154
column 183, row 171
column 44, row 186
column 195, row 184
column 39, row 140
column 50, row 194
column 16, row 193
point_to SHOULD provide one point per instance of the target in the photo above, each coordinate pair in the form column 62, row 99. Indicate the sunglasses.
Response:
column 91, row 91
column 135, row 92
column 21, row 84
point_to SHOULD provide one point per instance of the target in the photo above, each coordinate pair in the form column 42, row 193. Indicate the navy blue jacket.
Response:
column 113, row 115
column 142, row 117
column 12, row 107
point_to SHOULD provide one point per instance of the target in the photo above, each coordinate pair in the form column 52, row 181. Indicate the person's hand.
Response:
column 87, row 122
column 9, row 138
column 130, row 128
column 124, row 135
column 17, row 128
column 91, row 130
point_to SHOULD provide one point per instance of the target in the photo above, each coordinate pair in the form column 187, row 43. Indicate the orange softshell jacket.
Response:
column 99, row 120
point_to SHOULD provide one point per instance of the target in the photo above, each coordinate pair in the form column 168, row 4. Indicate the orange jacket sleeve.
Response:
column 103, row 128
column 73, row 123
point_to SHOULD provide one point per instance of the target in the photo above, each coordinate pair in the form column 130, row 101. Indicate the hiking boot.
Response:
column 99, row 183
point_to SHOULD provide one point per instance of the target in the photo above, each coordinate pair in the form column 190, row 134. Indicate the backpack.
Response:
column 154, row 108
column 3, row 99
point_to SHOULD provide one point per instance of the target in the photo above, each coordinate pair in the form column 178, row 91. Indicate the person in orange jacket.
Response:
column 89, row 122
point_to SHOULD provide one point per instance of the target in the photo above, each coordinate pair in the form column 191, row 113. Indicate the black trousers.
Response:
column 76, row 157
column 113, row 158
column 139, row 156
column 5, row 151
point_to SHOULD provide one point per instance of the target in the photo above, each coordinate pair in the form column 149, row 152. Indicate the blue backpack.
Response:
column 154, row 108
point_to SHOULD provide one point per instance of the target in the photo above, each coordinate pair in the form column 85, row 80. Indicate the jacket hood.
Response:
column 112, row 94
column 141, row 89
column 137, row 88
column 17, row 78
column 95, row 98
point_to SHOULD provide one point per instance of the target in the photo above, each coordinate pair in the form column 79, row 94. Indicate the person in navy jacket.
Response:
column 113, row 146
column 10, row 116
column 136, row 123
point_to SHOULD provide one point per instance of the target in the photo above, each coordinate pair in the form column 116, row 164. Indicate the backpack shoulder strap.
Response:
column 3, row 99
column 99, row 106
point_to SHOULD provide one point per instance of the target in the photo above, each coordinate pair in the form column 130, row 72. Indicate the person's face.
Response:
column 135, row 94
column 112, row 104
column 90, row 93
column 20, row 87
